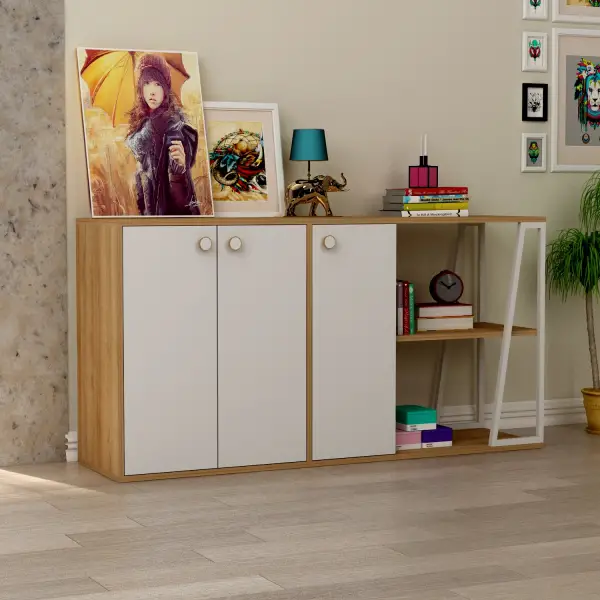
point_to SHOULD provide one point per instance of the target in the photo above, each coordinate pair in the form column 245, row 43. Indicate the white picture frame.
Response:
column 562, row 13
column 530, row 64
column 216, row 115
column 558, row 166
column 526, row 161
column 531, row 13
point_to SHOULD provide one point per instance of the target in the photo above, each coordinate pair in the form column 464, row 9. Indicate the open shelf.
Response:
column 481, row 330
column 467, row 441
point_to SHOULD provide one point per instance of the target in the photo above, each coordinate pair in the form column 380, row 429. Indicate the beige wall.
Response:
column 375, row 74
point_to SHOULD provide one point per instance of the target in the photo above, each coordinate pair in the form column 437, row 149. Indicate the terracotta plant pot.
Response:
column 591, row 402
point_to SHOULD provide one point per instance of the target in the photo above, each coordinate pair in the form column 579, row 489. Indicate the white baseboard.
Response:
column 518, row 415
column 72, row 447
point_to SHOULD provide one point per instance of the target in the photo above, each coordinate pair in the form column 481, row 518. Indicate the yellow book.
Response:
column 435, row 206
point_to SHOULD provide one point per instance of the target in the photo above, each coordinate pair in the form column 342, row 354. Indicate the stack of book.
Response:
column 406, row 323
column 427, row 202
column 416, row 428
column 444, row 317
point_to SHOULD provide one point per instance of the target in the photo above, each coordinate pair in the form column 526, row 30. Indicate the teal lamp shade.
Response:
column 309, row 144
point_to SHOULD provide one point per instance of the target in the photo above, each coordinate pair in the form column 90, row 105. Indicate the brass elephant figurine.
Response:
column 314, row 192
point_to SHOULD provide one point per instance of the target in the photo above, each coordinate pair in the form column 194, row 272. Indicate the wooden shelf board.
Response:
column 350, row 220
column 467, row 441
column 481, row 330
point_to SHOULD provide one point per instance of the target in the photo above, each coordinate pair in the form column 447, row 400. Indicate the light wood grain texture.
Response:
column 355, row 220
column 480, row 331
column 516, row 526
column 100, row 347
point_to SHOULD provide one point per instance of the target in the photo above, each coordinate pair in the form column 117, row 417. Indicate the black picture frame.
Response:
column 525, row 94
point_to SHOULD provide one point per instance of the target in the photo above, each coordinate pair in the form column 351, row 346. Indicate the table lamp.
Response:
column 309, row 145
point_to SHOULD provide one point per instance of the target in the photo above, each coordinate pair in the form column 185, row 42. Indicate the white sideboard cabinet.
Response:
column 220, row 345
column 227, row 345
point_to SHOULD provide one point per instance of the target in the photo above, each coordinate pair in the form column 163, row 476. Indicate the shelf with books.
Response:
column 480, row 331
column 470, row 441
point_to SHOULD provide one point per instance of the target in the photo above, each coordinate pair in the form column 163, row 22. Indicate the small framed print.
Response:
column 533, row 153
column 535, row 51
column 535, row 10
column 576, row 11
column 246, row 165
column 535, row 102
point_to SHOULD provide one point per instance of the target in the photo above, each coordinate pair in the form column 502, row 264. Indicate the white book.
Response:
column 444, row 323
column 420, row 427
column 436, row 444
column 408, row 447
column 425, row 213
column 434, row 310
column 435, row 213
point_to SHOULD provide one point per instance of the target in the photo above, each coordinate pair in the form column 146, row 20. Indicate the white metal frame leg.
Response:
column 507, row 337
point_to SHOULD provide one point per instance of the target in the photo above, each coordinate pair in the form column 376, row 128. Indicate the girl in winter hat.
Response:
column 163, row 144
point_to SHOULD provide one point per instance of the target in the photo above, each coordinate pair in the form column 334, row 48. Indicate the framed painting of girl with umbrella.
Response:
column 144, row 133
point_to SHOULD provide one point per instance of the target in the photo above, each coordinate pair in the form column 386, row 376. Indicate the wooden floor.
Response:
column 520, row 525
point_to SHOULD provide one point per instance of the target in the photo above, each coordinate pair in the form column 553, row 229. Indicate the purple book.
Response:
column 439, row 434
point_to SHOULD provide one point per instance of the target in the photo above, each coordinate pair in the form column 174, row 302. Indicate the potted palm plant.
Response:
column 573, row 269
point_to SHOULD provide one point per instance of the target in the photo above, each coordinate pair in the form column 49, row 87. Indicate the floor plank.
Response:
column 488, row 527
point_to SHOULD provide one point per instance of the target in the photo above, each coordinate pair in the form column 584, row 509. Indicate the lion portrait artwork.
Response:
column 587, row 94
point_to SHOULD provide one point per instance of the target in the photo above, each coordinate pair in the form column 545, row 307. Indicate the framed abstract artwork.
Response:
column 533, row 153
column 246, row 166
column 576, row 11
column 575, row 119
column 535, row 51
column 144, row 133
column 535, row 10
column 535, row 102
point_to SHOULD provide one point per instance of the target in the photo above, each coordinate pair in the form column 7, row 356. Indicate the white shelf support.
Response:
column 522, row 228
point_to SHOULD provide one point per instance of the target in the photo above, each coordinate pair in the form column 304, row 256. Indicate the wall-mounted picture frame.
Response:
column 535, row 51
column 535, row 102
column 575, row 106
column 135, row 169
column 533, row 153
column 246, row 162
column 576, row 11
column 535, row 10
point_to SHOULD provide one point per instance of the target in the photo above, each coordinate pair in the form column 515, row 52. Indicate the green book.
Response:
column 411, row 308
column 412, row 414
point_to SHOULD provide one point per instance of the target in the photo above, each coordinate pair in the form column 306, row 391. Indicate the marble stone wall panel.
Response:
column 33, row 279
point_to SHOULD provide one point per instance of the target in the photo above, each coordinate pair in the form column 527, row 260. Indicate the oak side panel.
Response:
column 100, row 347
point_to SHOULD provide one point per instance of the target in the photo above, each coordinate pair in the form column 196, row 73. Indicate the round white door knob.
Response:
column 329, row 242
column 235, row 243
column 205, row 244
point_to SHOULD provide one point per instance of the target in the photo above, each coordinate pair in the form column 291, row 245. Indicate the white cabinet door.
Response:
column 262, row 344
column 354, row 340
column 170, row 349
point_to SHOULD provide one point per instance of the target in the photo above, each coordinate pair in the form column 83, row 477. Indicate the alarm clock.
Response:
column 446, row 287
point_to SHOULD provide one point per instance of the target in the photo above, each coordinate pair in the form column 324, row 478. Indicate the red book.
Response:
column 439, row 191
column 406, row 308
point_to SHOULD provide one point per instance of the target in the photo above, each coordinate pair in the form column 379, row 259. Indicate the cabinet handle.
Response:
column 329, row 242
column 235, row 243
column 205, row 244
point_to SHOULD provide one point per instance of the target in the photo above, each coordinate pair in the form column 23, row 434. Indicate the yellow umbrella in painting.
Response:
column 110, row 76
